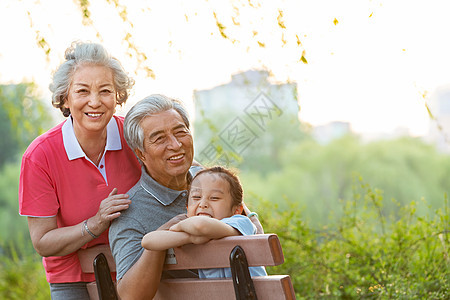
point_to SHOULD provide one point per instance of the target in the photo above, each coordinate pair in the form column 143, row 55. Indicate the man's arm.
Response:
column 141, row 281
column 138, row 270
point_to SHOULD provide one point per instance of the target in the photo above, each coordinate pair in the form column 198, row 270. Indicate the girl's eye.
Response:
column 106, row 91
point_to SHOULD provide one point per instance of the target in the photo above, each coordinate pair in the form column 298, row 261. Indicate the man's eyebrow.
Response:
column 153, row 134
column 179, row 126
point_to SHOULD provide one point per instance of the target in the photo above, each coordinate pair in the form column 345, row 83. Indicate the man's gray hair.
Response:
column 81, row 53
column 151, row 105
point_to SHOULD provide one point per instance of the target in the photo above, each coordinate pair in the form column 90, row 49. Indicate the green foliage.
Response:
column 23, row 118
column 369, row 254
column 318, row 176
column 22, row 274
column 11, row 223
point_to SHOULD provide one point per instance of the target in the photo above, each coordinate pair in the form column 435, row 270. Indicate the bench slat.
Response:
column 272, row 287
column 260, row 250
column 86, row 257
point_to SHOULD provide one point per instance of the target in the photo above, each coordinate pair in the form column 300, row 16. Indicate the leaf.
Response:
column 298, row 40
column 371, row 15
column 335, row 21
column 303, row 58
column 220, row 26
column 280, row 19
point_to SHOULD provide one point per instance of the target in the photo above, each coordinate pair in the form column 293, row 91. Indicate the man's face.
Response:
column 168, row 149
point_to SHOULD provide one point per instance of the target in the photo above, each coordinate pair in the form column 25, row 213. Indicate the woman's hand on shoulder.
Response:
column 109, row 210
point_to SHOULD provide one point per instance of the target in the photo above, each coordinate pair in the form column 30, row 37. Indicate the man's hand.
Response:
column 254, row 219
column 173, row 221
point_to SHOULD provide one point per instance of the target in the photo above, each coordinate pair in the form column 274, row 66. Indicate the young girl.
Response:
column 214, row 211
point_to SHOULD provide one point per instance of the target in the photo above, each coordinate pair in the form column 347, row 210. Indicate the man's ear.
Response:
column 139, row 154
column 238, row 209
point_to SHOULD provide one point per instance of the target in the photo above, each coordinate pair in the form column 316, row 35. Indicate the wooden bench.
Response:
column 254, row 250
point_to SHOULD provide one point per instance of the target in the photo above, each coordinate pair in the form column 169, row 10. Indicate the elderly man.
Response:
column 157, row 129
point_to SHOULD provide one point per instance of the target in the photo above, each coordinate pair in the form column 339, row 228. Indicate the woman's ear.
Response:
column 238, row 209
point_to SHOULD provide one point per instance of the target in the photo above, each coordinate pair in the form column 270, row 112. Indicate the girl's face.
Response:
column 210, row 196
column 91, row 99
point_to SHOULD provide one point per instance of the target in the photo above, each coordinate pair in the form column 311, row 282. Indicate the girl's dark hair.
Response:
column 236, row 191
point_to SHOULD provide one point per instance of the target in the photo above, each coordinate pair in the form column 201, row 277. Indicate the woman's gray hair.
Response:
column 151, row 105
column 80, row 53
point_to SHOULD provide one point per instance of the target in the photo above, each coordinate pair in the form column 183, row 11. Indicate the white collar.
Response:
column 73, row 148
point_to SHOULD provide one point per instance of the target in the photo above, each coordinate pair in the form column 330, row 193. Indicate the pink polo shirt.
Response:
column 57, row 179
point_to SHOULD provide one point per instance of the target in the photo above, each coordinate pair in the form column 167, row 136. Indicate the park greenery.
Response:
column 356, row 219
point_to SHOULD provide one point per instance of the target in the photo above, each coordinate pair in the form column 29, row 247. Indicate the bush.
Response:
column 22, row 274
column 365, row 254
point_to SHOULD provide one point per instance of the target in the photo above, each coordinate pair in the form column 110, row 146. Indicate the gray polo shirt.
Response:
column 152, row 205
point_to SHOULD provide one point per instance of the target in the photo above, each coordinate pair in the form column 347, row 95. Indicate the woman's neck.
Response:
column 93, row 144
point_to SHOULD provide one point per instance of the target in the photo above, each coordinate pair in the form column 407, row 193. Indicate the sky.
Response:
column 369, row 62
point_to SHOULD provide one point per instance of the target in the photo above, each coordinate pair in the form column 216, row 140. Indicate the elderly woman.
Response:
column 157, row 129
column 74, row 177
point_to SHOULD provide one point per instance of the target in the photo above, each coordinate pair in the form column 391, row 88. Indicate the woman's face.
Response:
column 91, row 99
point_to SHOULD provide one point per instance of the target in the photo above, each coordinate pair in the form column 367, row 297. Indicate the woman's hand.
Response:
column 109, row 210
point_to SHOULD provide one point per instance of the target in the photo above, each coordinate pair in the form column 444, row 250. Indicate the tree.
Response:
column 23, row 116
column 319, row 177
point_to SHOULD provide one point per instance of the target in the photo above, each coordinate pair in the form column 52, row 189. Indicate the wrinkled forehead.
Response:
column 162, row 121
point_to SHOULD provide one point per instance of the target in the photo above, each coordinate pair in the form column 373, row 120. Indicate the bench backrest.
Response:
column 260, row 250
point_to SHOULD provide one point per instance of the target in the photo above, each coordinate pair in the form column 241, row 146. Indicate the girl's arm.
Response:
column 195, row 230
column 164, row 239
column 206, row 227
